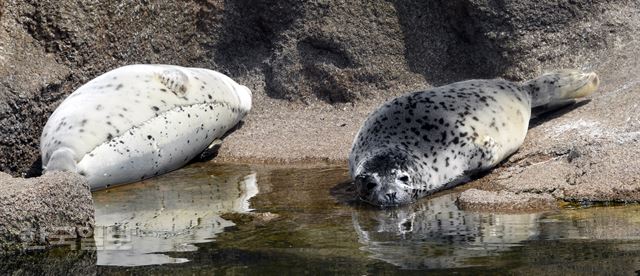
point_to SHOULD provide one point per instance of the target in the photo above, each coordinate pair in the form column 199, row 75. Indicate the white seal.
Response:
column 139, row 121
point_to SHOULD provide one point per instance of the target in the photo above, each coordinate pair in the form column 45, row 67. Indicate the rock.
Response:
column 50, row 262
column 586, row 153
column 505, row 201
column 318, row 68
column 314, row 52
column 35, row 213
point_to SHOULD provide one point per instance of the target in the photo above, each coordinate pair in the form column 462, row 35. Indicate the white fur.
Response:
column 107, row 123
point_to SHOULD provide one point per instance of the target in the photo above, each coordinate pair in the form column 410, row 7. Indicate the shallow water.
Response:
column 241, row 219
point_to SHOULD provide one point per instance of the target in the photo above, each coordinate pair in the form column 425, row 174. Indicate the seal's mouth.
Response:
column 384, row 202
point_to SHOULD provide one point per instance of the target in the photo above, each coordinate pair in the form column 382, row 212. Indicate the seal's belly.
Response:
column 161, row 144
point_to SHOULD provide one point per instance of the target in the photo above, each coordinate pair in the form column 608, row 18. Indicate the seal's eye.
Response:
column 404, row 178
column 371, row 185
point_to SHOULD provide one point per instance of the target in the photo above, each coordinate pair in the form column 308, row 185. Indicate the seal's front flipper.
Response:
column 210, row 152
column 488, row 153
column 61, row 160
column 176, row 80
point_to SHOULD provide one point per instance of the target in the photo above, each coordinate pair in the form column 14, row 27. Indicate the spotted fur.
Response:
column 426, row 141
column 140, row 121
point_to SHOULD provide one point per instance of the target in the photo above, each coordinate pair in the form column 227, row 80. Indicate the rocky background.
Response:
column 55, row 209
column 317, row 68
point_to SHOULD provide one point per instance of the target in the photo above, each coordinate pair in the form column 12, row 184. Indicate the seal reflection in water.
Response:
column 436, row 234
column 135, row 224
column 140, row 121
column 426, row 141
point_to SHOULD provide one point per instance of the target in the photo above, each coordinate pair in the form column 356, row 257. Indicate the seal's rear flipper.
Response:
column 562, row 85
column 488, row 153
column 61, row 160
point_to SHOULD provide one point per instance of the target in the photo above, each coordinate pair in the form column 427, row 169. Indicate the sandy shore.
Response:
column 283, row 132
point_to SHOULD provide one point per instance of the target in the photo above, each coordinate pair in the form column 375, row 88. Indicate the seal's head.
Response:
column 385, row 180
column 560, row 86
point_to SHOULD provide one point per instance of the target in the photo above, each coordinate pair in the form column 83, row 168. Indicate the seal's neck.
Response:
column 560, row 86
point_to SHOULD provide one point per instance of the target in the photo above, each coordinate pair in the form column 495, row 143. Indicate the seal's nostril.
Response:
column 371, row 185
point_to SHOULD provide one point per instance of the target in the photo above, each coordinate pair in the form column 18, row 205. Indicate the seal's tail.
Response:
column 61, row 160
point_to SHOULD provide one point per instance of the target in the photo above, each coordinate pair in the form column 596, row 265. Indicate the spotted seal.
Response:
column 139, row 121
column 426, row 141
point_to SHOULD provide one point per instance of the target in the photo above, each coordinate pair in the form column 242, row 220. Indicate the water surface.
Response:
column 237, row 219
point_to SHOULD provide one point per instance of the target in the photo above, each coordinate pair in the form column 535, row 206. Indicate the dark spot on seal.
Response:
column 444, row 136
column 155, row 108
